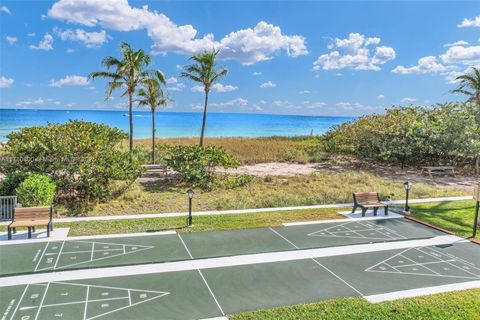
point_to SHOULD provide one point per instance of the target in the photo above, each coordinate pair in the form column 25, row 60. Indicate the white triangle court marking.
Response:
column 91, row 259
column 438, row 258
column 386, row 232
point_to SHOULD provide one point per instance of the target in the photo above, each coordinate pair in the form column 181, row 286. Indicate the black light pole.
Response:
column 190, row 197
column 407, row 186
column 476, row 196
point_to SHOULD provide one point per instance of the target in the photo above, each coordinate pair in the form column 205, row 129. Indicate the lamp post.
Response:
column 476, row 197
column 407, row 186
column 190, row 194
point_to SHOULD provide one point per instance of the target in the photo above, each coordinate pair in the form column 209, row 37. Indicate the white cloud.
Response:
column 428, row 64
column 285, row 104
column 31, row 34
column 5, row 9
column 30, row 102
column 70, row 50
column 223, row 88
column 11, row 40
column 172, row 80
column 357, row 52
column 474, row 22
column 247, row 46
column 89, row 39
column 197, row 88
column 44, row 44
column 354, row 106
column 380, row 97
column 176, row 87
column 238, row 102
column 304, row 92
column 460, row 54
column 456, row 43
column 6, row 82
column 408, row 100
column 316, row 105
column 256, row 73
column 268, row 84
column 69, row 81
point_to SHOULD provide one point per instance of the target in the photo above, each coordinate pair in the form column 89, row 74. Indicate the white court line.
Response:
column 86, row 303
column 274, row 231
column 19, row 302
column 216, row 318
column 122, row 235
column 211, row 292
column 41, row 302
column 301, row 223
column 58, row 256
column 248, row 259
column 376, row 298
column 185, row 246
column 41, row 257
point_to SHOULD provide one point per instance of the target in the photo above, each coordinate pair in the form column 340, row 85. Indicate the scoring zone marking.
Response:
column 56, row 256
column 426, row 261
column 358, row 230
column 98, row 301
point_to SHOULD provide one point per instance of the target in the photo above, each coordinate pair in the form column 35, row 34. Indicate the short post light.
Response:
column 190, row 194
column 407, row 186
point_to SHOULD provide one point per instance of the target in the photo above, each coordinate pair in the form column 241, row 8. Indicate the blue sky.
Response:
column 288, row 57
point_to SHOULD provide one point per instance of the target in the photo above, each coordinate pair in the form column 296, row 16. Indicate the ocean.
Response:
column 177, row 124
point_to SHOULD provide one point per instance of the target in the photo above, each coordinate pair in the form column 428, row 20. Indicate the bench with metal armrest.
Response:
column 31, row 217
column 368, row 200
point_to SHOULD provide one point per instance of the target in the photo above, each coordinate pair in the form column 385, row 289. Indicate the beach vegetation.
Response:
column 128, row 72
column 84, row 160
column 204, row 70
column 36, row 190
column 152, row 96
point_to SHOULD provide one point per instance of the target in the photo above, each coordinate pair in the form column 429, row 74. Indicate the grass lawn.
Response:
column 201, row 223
column 460, row 305
column 269, row 192
column 455, row 216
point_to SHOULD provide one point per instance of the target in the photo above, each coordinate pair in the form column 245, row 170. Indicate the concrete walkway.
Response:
column 240, row 211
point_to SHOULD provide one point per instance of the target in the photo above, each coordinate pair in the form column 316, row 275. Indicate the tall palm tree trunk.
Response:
column 153, row 136
column 204, row 118
column 130, row 115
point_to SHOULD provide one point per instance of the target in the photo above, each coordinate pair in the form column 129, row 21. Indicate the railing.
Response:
column 7, row 205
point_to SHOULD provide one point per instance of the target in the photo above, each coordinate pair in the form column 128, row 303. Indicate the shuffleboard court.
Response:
column 213, row 292
column 129, row 250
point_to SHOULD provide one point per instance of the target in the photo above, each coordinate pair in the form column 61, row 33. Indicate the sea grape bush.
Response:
column 196, row 164
column 443, row 134
column 36, row 190
column 84, row 159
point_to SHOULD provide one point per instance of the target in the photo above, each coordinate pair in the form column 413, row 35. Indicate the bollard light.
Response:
column 190, row 194
column 407, row 186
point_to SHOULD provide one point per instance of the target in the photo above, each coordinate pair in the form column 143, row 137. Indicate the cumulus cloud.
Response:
column 197, row 88
column 456, row 43
column 6, row 82
column 268, row 84
column 474, row 22
column 304, row 92
column 357, row 52
column 89, row 39
column 5, row 9
column 354, row 106
column 223, row 88
column 238, row 102
column 408, row 100
column 69, row 81
column 30, row 102
column 248, row 46
column 315, row 105
column 256, row 73
column 11, row 40
column 380, row 97
column 176, row 86
column 44, row 44
column 172, row 80
column 461, row 54
column 424, row 65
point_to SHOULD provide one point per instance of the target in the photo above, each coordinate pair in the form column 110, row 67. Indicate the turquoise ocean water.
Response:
column 177, row 124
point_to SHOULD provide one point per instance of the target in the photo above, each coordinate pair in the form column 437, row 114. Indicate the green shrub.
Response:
column 232, row 181
column 36, row 190
column 196, row 164
column 11, row 182
column 84, row 159
column 444, row 134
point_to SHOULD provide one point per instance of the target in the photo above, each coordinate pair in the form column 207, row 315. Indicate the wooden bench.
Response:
column 438, row 171
column 153, row 167
column 368, row 200
column 31, row 218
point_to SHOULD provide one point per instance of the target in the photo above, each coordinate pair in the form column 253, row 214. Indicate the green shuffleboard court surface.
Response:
column 125, row 250
column 213, row 292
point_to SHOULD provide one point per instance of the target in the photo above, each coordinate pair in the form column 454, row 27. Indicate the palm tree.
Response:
column 204, row 71
column 469, row 85
column 128, row 73
column 151, row 95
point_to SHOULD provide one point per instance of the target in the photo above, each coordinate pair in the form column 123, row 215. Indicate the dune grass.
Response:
column 455, row 216
column 253, row 150
column 269, row 192
column 459, row 305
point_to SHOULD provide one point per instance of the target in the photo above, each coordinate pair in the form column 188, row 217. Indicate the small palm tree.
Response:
column 204, row 71
column 151, row 95
column 127, row 74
